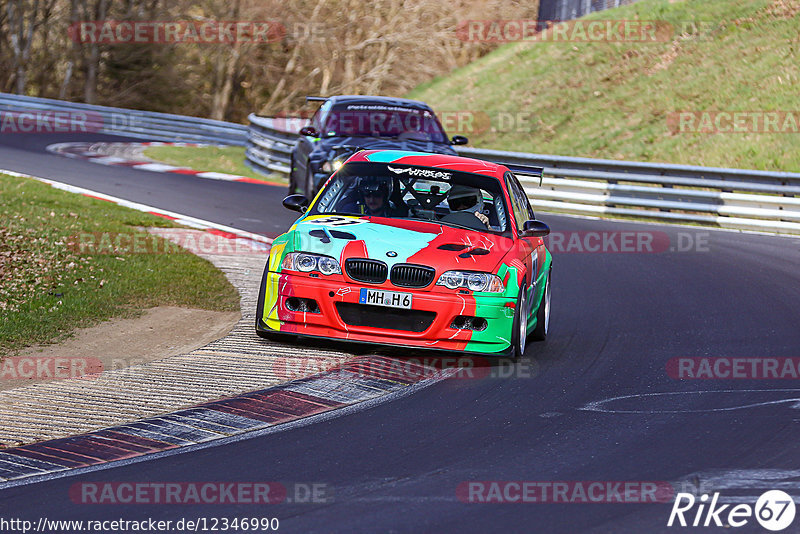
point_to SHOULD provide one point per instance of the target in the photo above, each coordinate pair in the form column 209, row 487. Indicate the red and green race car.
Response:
column 412, row 249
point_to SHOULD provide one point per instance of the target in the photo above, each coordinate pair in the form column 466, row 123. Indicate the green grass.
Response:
column 49, row 288
column 612, row 100
column 228, row 159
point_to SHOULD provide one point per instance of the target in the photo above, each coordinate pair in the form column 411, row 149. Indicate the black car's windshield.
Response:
column 444, row 196
column 382, row 120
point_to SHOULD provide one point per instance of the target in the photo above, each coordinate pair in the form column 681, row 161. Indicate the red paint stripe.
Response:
column 51, row 448
column 257, row 181
column 258, row 416
column 327, row 403
column 184, row 171
column 221, row 233
column 289, row 402
column 135, row 440
column 108, row 441
column 91, row 452
column 162, row 215
column 98, row 198
column 278, row 412
column 26, row 452
column 110, row 449
column 131, row 163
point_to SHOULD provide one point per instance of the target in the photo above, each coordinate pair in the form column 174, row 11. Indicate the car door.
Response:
column 305, row 145
column 531, row 249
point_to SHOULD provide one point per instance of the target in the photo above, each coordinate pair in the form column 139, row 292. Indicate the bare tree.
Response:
column 22, row 18
column 330, row 46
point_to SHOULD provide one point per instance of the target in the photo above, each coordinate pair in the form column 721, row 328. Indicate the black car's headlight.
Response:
column 333, row 165
column 474, row 281
column 306, row 263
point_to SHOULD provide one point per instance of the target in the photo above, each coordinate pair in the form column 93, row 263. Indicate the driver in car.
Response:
column 465, row 199
column 375, row 193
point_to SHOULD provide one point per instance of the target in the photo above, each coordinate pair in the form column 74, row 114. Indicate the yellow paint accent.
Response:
column 275, row 255
column 270, row 317
column 271, row 302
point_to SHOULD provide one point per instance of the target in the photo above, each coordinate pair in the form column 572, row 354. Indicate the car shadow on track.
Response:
column 410, row 362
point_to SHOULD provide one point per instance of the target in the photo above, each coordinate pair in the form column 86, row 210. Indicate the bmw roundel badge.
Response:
column 392, row 254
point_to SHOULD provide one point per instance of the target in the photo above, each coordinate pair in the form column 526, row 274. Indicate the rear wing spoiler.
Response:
column 316, row 98
column 527, row 170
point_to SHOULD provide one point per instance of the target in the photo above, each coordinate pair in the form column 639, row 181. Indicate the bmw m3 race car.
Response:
column 412, row 249
column 346, row 123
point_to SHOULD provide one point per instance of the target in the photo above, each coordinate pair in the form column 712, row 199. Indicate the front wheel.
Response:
column 519, row 334
column 543, row 313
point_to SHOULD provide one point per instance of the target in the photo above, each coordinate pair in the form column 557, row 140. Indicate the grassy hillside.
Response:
column 49, row 287
column 613, row 100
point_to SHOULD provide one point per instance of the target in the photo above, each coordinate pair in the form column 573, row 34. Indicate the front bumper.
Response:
column 338, row 303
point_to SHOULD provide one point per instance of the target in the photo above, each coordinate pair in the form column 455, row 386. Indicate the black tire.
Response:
column 519, row 335
column 543, row 313
column 261, row 332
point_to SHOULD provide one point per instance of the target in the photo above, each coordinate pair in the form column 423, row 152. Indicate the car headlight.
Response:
column 471, row 280
column 306, row 263
column 333, row 166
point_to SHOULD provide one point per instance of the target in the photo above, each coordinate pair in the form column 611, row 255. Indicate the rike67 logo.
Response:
column 774, row 510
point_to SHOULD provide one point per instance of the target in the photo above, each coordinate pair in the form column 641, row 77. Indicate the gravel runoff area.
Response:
column 237, row 363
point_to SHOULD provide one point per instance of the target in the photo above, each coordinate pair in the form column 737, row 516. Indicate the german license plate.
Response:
column 392, row 299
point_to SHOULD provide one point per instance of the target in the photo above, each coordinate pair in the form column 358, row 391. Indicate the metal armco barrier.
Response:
column 729, row 198
column 572, row 9
column 42, row 115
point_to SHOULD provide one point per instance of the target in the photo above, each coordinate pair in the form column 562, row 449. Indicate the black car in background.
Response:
column 347, row 123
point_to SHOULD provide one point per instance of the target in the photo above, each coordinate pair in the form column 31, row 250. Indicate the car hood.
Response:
column 399, row 241
column 325, row 144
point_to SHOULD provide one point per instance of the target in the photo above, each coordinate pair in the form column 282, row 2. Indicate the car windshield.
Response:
column 382, row 120
column 443, row 196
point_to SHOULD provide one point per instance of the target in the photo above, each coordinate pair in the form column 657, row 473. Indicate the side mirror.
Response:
column 309, row 131
column 459, row 140
column 296, row 203
column 534, row 228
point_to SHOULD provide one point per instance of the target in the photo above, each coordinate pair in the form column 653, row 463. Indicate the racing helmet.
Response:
column 464, row 198
column 375, row 184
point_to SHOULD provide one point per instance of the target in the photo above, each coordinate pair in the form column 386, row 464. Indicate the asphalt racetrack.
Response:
column 598, row 401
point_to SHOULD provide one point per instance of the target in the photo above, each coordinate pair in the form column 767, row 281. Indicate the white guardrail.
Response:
column 728, row 198
column 25, row 114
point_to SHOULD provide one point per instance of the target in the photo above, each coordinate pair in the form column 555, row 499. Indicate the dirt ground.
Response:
column 159, row 333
